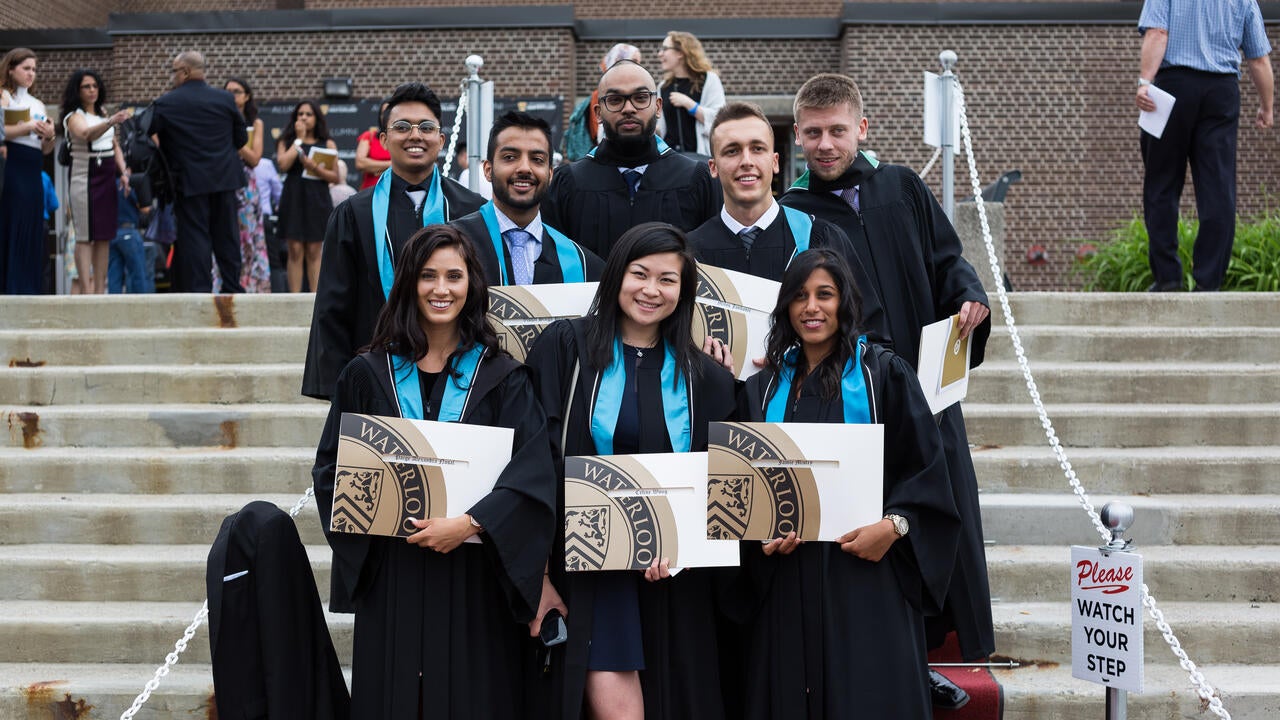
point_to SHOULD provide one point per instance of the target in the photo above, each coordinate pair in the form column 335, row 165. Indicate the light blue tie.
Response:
column 522, row 269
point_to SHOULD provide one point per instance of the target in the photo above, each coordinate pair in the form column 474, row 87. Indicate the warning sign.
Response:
column 1106, row 617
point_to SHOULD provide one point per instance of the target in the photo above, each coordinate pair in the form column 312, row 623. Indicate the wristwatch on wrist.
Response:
column 900, row 524
column 1143, row 82
column 474, row 523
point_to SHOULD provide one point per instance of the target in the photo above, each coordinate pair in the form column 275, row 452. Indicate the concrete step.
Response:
column 100, row 573
column 1228, row 633
column 134, row 519
column 1025, row 519
column 116, row 632
column 1196, row 573
column 1232, row 470
column 155, row 470
column 112, row 312
column 178, row 425
column 1048, row 692
column 1127, row 382
column 1109, row 343
column 1119, row 309
column 156, row 384
column 1118, row 425
column 152, row 346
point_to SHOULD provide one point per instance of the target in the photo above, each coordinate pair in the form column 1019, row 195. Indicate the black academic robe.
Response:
column 546, row 269
column 912, row 254
column 349, row 292
column 833, row 636
column 457, row 620
column 589, row 200
column 713, row 243
column 272, row 653
column 679, row 616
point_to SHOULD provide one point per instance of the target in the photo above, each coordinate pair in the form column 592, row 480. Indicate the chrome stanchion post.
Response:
column 474, row 122
column 948, row 59
column 1117, row 517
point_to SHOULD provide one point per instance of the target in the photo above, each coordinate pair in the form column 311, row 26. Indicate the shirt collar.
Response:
column 505, row 223
column 639, row 168
column 762, row 222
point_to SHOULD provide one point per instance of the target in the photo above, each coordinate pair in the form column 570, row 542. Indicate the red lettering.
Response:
column 1109, row 580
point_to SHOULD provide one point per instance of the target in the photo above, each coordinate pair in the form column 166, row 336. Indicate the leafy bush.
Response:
column 1121, row 265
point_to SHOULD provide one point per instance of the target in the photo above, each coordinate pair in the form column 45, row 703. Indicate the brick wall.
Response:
column 23, row 15
column 54, row 68
column 1053, row 102
column 289, row 65
column 169, row 6
column 616, row 9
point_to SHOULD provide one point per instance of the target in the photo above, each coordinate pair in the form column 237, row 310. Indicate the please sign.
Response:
column 1106, row 618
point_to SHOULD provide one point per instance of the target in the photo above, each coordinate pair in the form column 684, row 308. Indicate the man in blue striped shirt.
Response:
column 1191, row 49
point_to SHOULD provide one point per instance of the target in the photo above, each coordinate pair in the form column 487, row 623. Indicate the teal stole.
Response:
column 675, row 403
column 566, row 251
column 404, row 375
column 432, row 214
column 853, row 388
column 801, row 228
column 663, row 147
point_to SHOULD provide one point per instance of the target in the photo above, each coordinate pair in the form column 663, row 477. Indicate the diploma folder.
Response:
column 943, row 363
column 392, row 471
column 623, row 512
column 519, row 313
column 819, row 480
column 14, row 116
column 326, row 158
column 735, row 308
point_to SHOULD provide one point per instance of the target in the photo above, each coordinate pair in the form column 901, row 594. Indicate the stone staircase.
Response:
column 135, row 424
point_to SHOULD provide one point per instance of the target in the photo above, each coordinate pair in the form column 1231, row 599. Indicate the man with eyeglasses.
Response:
column 200, row 132
column 632, row 176
column 367, row 231
column 514, row 244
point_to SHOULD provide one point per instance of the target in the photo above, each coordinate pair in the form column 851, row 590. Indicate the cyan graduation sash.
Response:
column 853, row 389
column 566, row 251
column 432, row 214
column 801, row 228
column 675, row 403
column 404, row 374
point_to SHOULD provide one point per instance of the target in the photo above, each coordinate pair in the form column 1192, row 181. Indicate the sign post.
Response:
column 1106, row 613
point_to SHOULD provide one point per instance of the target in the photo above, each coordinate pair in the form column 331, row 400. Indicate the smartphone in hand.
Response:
column 553, row 631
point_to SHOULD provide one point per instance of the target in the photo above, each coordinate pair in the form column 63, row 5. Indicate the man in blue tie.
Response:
column 515, row 246
column 367, row 230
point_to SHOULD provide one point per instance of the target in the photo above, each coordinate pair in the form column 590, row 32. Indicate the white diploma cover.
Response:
column 735, row 308
column 819, row 480
column 943, row 366
column 392, row 471
column 519, row 313
column 623, row 512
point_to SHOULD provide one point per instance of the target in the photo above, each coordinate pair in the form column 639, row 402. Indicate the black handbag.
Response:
column 64, row 152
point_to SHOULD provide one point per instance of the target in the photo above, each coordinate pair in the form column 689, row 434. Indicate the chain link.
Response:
column 457, row 129
column 929, row 165
column 1203, row 688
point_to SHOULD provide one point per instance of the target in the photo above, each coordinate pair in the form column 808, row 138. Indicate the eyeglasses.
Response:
column 639, row 100
column 404, row 127
column 235, row 91
column 176, row 70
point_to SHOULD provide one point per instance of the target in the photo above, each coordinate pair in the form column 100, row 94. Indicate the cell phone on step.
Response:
column 553, row 631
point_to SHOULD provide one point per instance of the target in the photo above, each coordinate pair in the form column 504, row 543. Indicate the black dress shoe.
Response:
column 1165, row 286
column 946, row 694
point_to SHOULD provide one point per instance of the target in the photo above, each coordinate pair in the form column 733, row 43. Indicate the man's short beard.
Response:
column 502, row 195
column 632, row 144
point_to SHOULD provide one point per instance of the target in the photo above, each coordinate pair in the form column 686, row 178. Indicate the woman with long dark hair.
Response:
column 627, row 378
column 28, row 137
column 305, row 203
column 857, row 604
column 439, row 624
column 255, row 265
column 97, row 167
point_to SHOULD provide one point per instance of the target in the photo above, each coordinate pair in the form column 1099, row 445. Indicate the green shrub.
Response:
column 1121, row 265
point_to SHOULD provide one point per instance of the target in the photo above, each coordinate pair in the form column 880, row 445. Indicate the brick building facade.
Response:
column 1049, row 85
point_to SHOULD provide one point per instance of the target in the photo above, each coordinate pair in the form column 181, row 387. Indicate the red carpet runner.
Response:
column 986, row 699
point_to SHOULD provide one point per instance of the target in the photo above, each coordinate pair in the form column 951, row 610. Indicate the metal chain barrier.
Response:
column 1203, row 688
column 457, row 130
column 180, row 646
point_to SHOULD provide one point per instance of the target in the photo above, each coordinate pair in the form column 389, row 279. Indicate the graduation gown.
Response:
column 681, row 679
column 589, row 200
column 912, row 254
column 349, row 292
column 546, row 269
column 460, row 619
column 830, row 635
column 713, row 243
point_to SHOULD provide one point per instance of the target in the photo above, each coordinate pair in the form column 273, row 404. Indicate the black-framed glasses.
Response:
column 403, row 127
column 640, row 100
